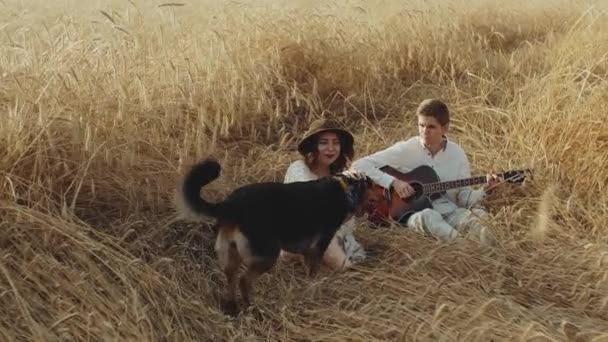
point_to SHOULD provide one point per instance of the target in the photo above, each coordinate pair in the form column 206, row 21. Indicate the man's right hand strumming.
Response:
column 403, row 189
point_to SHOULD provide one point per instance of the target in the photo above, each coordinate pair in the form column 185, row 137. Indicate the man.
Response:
column 452, row 214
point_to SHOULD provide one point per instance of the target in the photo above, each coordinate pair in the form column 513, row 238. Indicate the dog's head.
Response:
column 361, row 191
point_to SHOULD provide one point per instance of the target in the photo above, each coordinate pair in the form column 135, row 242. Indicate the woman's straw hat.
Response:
column 326, row 125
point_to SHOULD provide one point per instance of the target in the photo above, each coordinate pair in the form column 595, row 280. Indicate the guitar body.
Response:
column 401, row 209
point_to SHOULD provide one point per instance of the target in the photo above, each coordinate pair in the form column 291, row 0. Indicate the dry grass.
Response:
column 102, row 104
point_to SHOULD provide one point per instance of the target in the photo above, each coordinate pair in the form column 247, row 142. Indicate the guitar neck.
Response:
column 431, row 188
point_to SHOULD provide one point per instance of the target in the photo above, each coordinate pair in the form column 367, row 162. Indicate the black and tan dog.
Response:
column 257, row 220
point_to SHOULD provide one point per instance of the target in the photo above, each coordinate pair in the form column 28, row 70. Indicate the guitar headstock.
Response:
column 516, row 176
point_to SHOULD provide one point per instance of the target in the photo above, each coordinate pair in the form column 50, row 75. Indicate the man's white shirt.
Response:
column 450, row 163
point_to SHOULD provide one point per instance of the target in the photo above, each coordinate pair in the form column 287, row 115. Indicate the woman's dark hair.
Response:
column 310, row 152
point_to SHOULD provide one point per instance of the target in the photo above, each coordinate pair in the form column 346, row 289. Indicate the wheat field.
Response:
column 104, row 104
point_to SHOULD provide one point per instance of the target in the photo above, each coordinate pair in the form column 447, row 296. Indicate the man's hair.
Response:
column 435, row 108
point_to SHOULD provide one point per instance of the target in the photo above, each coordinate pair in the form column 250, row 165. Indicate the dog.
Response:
column 256, row 221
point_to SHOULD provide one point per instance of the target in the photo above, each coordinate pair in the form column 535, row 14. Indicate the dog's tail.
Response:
column 188, row 199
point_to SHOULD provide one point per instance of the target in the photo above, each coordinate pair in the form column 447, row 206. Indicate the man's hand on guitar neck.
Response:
column 492, row 181
column 403, row 189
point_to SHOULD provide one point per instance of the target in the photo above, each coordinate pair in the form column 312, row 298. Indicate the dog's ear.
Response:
column 369, row 182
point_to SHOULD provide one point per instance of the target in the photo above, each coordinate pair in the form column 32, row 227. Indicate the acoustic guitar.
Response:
column 427, row 187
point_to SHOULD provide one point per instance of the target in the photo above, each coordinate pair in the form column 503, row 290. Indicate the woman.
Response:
column 325, row 150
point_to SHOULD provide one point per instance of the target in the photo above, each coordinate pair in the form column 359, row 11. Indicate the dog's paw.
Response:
column 230, row 307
